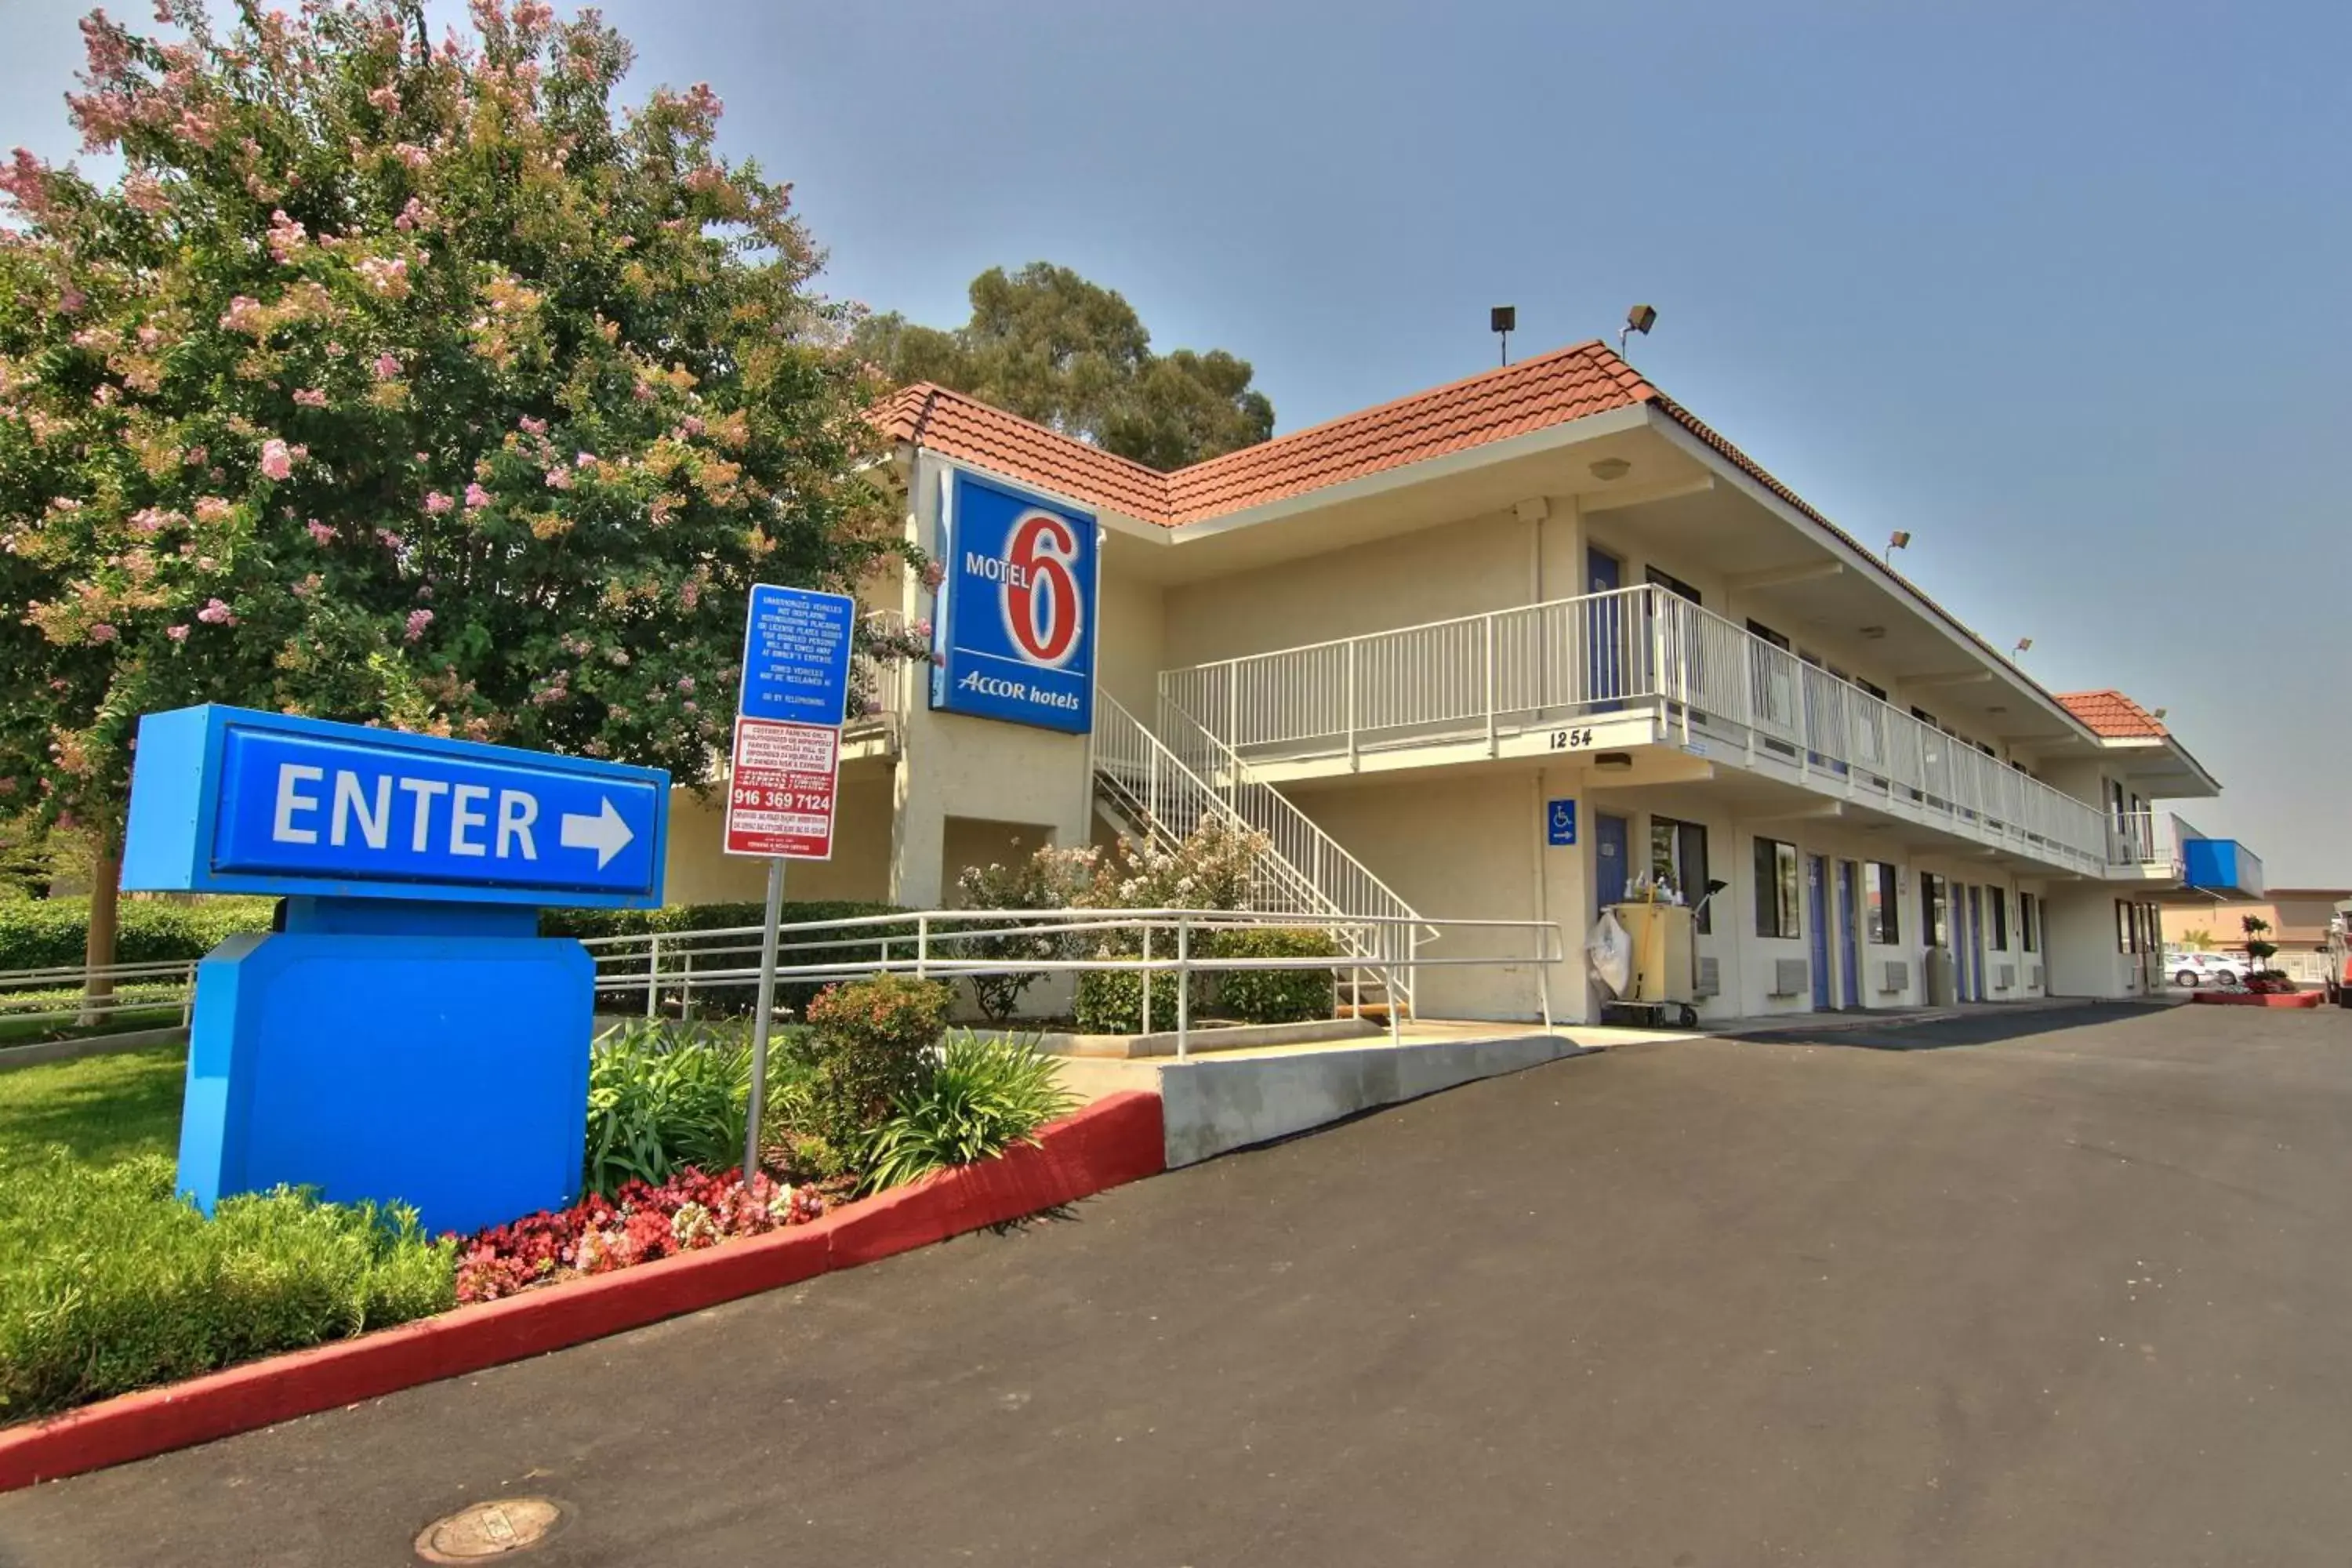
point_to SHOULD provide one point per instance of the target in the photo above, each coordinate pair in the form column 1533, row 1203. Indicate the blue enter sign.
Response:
column 224, row 800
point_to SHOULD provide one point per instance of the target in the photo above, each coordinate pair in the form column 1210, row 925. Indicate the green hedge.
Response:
column 627, row 996
column 1110, row 1003
column 113, row 1283
column 1276, row 995
column 49, row 934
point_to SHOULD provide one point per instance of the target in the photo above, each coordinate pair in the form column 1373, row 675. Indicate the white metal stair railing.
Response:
column 1156, row 791
column 1632, row 651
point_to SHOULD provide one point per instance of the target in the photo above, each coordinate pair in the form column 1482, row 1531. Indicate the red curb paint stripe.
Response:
column 2259, row 999
column 1114, row 1140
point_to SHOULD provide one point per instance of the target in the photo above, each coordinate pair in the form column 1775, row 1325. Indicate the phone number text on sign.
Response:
column 780, row 800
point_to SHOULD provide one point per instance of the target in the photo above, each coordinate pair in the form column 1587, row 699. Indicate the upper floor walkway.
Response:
column 1634, row 668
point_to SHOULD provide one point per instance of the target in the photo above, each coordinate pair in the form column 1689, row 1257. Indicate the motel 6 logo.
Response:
column 1043, row 612
column 1014, row 635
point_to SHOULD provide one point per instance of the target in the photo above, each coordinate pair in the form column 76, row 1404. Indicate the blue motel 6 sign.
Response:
column 1015, row 632
column 229, row 801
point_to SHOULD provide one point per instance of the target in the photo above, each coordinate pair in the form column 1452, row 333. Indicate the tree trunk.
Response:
column 98, row 948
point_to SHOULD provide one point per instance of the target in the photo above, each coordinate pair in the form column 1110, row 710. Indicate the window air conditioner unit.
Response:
column 1895, row 978
column 2005, row 978
column 1790, row 977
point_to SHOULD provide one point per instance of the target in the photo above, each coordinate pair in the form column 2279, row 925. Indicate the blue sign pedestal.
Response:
column 432, row 1054
column 408, row 1036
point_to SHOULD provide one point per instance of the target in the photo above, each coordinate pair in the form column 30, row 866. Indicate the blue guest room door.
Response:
column 1848, row 936
column 1611, row 842
column 1605, row 627
column 1817, row 897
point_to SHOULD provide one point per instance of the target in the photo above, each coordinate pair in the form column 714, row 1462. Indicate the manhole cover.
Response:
column 489, row 1530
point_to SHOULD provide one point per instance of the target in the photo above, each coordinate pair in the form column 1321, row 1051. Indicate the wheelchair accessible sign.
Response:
column 1559, row 824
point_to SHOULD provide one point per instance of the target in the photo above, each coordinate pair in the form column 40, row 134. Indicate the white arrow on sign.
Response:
column 604, row 833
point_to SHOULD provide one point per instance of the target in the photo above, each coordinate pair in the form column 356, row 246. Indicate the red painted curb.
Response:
column 2254, row 999
column 1112, row 1142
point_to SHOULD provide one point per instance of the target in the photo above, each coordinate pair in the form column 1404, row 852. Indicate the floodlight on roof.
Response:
column 1503, row 321
column 1640, row 318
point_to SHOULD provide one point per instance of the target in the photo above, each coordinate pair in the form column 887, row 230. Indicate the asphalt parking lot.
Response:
column 2075, row 1291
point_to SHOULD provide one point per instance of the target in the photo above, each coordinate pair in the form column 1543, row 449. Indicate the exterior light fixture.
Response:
column 2158, row 712
column 1503, row 321
column 1898, row 540
column 2022, row 644
column 1614, row 761
column 1640, row 318
column 1608, row 469
column 1872, row 633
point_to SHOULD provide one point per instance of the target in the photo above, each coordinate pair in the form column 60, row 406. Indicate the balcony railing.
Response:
column 2144, row 838
column 1634, row 651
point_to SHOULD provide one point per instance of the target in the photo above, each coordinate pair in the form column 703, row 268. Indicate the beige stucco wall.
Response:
column 1456, row 568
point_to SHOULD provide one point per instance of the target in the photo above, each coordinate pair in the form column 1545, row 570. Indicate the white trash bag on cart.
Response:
column 1609, row 951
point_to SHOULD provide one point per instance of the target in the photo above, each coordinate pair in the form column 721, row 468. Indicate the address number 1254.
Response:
column 1570, row 739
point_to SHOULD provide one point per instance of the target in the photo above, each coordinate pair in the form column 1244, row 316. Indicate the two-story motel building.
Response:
column 1396, row 642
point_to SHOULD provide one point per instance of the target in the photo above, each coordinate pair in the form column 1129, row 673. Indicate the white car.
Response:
column 2195, row 969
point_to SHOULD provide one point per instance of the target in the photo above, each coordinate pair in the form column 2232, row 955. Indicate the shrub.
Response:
column 661, row 1097
column 49, row 934
column 872, row 1042
column 985, row 1096
column 113, row 1283
column 1048, row 879
column 1275, row 996
column 1110, row 1002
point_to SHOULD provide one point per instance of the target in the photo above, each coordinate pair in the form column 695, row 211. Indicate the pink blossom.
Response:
column 476, row 498
column 920, row 628
column 286, row 237
column 102, row 632
column 691, row 705
column 584, row 460
column 245, row 314
column 25, row 181
column 214, row 614
column 277, row 459
column 559, row 479
column 321, row 534
column 692, row 425
column 144, row 191
column 149, row 521
column 71, row 301
column 642, row 393
column 415, row 157
column 312, row 397
column 206, row 563
column 532, row 426
column 417, row 621
column 212, row 509
column 387, row 365
column 686, row 683
column 178, row 633
column 388, row 539
column 150, row 336
column 386, row 98
column 412, row 213
column 436, row 503
column 933, row 576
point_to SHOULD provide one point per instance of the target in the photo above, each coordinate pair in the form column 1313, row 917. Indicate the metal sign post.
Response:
column 784, row 771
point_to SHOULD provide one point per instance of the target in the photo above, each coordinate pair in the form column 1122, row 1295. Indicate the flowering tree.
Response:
column 402, row 381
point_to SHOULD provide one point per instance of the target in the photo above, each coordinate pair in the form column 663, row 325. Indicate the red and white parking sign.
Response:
column 780, row 800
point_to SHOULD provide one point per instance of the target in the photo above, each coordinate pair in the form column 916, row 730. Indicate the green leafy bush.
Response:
column 1050, row 878
column 661, row 1097
column 985, row 1096
column 872, row 1044
column 111, row 1283
column 1110, row 1002
column 48, row 933
column 1275, row 996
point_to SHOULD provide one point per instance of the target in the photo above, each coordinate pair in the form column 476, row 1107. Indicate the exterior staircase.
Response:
column 1162, row 787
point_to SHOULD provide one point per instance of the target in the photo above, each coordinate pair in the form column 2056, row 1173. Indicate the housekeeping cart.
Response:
column 1662, row 990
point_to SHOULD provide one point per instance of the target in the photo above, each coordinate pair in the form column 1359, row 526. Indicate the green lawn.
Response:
column 104, row 1108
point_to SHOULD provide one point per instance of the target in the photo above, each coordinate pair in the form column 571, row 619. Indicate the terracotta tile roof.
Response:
column 2111, row 715
column 967, row 428
column 1513, row 400
column 1550, row 389
column 1533, row 394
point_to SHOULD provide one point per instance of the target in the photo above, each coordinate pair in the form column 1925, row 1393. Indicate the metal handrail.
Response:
column 891, row 953
column 1300, row 868
column 145, row 987
column 1628, row 651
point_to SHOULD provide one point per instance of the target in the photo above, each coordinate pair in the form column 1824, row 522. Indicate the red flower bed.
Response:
column 638, row 1223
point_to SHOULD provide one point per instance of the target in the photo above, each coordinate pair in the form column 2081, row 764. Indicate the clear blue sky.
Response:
column 2065, row 290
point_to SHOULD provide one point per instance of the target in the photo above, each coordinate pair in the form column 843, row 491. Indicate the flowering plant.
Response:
column 638, row 1223
column 404, row 381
